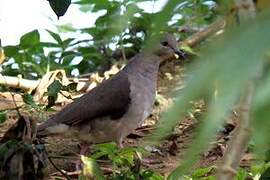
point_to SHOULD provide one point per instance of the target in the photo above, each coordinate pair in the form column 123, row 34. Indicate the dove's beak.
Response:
column 180, row 53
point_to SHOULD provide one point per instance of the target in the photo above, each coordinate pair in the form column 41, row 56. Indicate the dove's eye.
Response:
column 164, row 43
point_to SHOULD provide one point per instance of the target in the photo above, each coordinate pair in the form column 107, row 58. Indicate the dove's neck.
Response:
column 144, row 65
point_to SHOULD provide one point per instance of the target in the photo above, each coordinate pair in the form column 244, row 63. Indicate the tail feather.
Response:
column 51, row 127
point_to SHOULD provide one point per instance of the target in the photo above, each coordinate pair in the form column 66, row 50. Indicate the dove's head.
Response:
column 168, row 48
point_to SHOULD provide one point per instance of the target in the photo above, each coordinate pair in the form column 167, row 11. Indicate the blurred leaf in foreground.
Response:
column 90, row 169
column 225, row 65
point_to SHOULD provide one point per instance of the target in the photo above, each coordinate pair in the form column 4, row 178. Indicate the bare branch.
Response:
column 18, row 82
column 241, row 137
column 204, row 34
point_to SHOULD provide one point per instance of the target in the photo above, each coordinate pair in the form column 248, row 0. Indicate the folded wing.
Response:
column 111, row 98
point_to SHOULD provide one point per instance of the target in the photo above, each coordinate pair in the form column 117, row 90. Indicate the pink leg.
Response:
column 120, row 144
column 84, row 150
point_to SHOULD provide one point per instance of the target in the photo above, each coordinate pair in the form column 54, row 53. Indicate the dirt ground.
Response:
column 171, row 151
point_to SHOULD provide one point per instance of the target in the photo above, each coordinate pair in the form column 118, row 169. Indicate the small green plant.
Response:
column 259, row 171
column 125, row 163
column 204, row 173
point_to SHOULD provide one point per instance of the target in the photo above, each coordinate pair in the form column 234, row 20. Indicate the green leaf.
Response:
column 151, row 175
column 28, row 99
column 125, row 156
column 106, row 147
column 90, row 169
column 241, row 174
column 50, row 44
column 98, row 155
column 11, row 51
column 66, row 42
column 30, row 40
column 52, row 93
column 102, row 4
column 201, row 172
column 55, row 36
column 68, row 53
column 3, row 117
column 67, row 60
column 54, row 88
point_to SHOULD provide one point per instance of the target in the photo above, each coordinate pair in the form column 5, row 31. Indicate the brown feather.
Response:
column 110, row 98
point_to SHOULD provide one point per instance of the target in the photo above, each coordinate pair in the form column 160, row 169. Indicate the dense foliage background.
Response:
column 118, row 34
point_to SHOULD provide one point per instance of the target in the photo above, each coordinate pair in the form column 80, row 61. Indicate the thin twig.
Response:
column 62, row 157
column 58, row 169
column 16, row 107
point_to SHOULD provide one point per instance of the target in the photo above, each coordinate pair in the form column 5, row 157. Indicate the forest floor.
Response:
column 171, row 151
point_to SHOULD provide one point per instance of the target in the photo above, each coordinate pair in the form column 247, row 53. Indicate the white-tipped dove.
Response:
column 112, row 110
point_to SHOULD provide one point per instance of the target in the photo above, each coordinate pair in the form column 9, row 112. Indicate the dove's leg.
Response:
column 85, row 151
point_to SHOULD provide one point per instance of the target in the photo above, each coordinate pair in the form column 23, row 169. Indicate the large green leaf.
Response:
column 30, row 40
column 11, row 51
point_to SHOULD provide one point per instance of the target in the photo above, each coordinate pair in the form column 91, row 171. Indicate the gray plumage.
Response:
column 118, row 105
